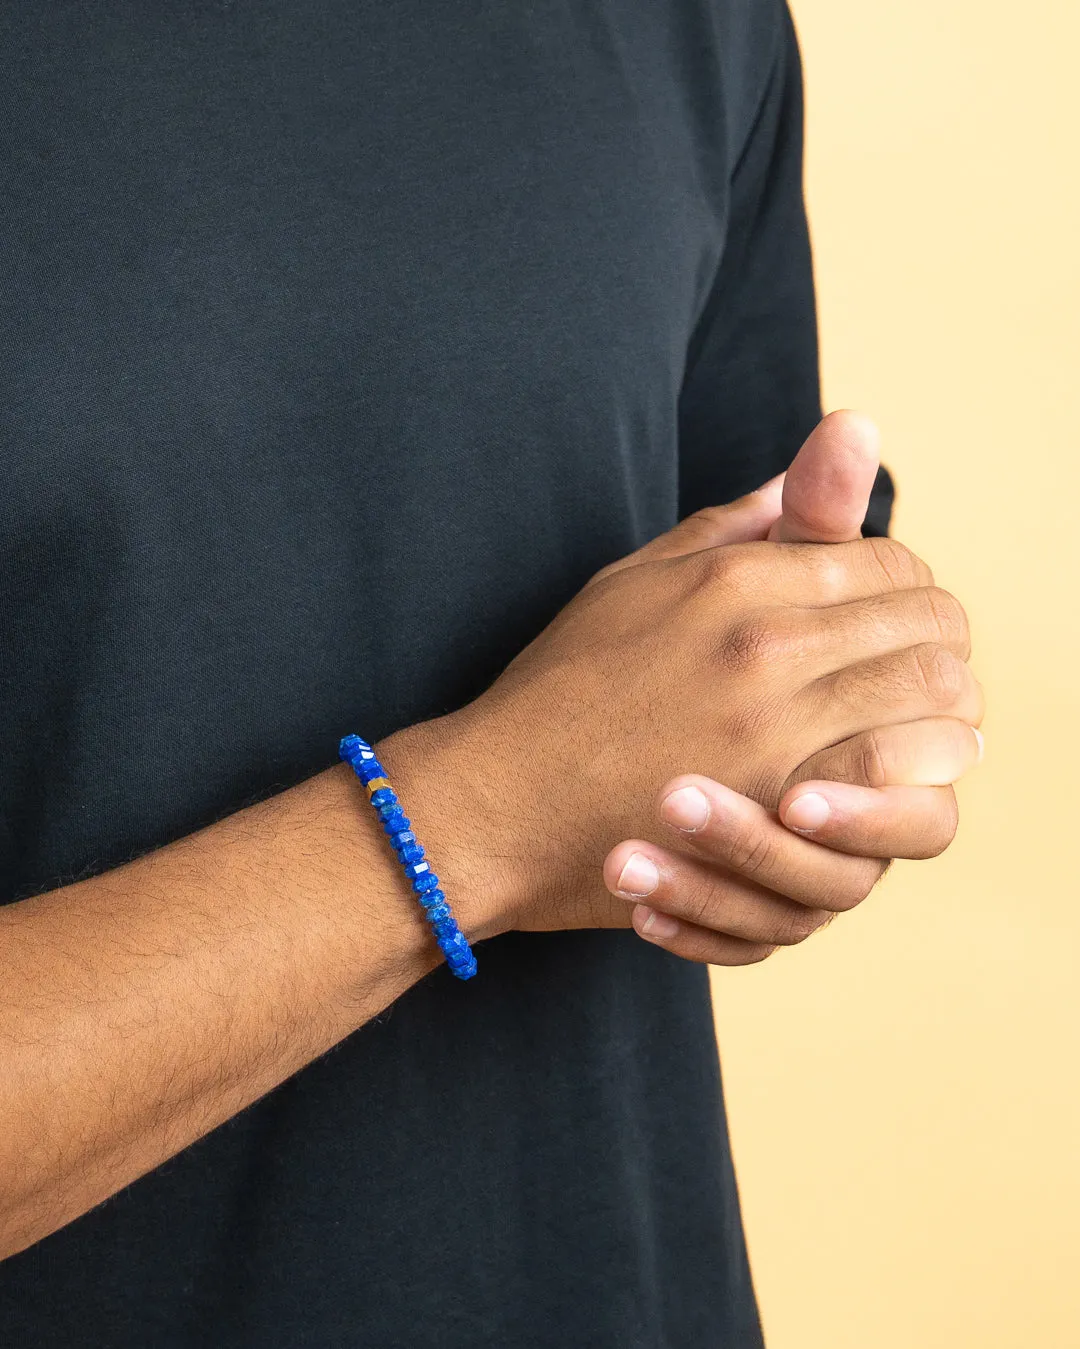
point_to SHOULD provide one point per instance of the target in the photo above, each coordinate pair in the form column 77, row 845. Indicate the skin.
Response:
column 737, row 892
column 834, row 661
column 145, row 1006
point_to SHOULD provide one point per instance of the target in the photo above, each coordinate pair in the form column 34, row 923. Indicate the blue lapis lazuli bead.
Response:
column 397, row 825
column 350, row 749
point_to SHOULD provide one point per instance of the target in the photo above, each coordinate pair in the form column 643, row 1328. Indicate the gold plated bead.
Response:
column 375, row 783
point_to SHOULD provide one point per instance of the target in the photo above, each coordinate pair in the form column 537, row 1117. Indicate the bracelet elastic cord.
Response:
column 396, row 824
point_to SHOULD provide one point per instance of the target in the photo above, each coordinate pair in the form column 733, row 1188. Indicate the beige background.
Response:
column 905, row 1088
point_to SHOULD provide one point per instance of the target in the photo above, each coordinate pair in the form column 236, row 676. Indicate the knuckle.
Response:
column 871, row 761
column 702, row 527
column 897, row 565
column 698, row 904
column 749, row 852
column 732, row 566
column 938, row 674
column 703, row 572
column 831, row 576
column 754, row 640
column 850, row 895
column 796, row 926
column 944, row 831
column 946, row 614
column 598, row 576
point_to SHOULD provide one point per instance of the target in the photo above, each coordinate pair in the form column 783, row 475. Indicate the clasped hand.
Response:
column 723, row 737
column 743, row 880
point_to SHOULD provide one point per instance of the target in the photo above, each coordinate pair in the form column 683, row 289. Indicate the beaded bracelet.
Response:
column 449, row 936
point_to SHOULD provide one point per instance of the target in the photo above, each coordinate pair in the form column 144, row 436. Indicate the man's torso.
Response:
column 341, row 345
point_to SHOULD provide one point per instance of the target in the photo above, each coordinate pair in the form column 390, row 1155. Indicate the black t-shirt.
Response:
column 340, row 345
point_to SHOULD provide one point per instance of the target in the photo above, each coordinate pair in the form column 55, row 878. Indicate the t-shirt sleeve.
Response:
column 751, row 393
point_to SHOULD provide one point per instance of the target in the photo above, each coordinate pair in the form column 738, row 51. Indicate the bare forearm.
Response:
column 144, row 1007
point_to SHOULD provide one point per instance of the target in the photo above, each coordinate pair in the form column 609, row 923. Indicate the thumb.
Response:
column 827, row 488
column 743, row 521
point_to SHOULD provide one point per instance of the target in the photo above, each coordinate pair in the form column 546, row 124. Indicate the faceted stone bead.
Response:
column 425, row 883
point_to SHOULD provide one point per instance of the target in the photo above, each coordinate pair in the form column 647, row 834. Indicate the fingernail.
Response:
column 655, row 926
column 807, row 813
column 639, row 876
column 687, row 808
column 982, row 743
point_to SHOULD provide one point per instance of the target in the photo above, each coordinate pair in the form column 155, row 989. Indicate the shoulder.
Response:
column 756, row 46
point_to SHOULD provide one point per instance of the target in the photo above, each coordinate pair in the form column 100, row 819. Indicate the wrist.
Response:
column 329, row 843
column 432, row 766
